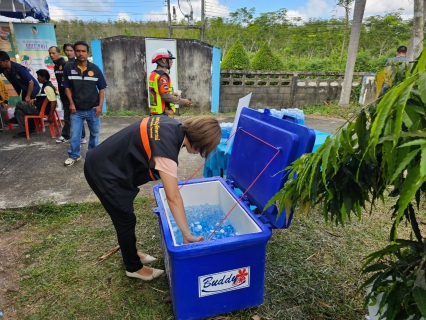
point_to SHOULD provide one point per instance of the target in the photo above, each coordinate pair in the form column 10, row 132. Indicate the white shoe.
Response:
column 148, row 259
column 61, row 139
column 83, row 141
column 70, row 161
column 155, row 274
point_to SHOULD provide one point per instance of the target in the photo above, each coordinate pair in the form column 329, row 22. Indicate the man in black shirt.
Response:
column 59, row 61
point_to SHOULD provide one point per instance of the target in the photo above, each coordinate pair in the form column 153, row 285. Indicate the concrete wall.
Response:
column 124, row 65
column 281, row 89
column 195, row 73
column 124, row 69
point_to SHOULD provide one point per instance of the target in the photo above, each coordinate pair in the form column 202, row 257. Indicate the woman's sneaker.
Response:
column 61, row 139
column 70, row 161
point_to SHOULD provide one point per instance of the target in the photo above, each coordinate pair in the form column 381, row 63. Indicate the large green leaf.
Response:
column 361, row 130
column 415, row 225
column 422, row 87
column 421, row 63
column 383, row 109
column 392, row 298
column 412, row 183
column 418, row 142
column 412, row 118
column 423, row 162
column 404, row 134
column 414, row 134
column 376, row 267
column 403, row 164
column 400, row 109
column 389, row 158
column 313, row 181
column 419, row 295
column 325, row 161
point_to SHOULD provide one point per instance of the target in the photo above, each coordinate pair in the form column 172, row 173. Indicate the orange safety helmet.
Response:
column 161, row 53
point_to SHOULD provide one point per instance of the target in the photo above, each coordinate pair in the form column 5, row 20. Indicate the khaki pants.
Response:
column 169, row 113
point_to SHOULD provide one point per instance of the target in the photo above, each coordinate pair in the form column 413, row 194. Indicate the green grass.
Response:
column 125, row 113
column 312, row 271
column 184, row 112
column 331, row 110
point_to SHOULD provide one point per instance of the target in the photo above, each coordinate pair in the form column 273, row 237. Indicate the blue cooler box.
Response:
column 217, row 276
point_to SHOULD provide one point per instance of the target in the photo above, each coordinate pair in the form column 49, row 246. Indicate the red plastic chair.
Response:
column 39, row 121
column 58, row 119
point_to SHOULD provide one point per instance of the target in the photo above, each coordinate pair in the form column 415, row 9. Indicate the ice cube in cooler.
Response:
column 203, row 220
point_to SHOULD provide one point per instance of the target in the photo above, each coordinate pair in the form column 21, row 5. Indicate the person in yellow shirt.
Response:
column 4, row 97
column 47, row 92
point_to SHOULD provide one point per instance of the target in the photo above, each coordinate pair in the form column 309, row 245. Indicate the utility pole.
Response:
column 169, row 19
column 190, row 25
column 202, row 21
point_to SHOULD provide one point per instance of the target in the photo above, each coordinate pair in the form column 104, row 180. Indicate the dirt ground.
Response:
column 32, row 170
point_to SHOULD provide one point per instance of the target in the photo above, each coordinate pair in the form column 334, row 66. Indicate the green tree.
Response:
column 265, row 59
column 313, row 45
column 383, row 147
column 269, row 27
column 316, row 38
column 242, row 16
column 382, row 34
column 222, row 34
column 236, row 58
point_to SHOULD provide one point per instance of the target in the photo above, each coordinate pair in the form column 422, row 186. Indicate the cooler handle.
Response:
column 289, row 118
column 156, row 210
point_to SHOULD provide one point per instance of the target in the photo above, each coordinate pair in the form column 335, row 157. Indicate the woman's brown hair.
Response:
column 203, row 133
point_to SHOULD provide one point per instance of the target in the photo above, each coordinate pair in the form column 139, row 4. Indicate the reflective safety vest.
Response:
column 156, row 104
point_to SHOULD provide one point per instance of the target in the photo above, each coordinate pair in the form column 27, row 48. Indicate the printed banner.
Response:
column 6, row 44
column 223, row 281
column 33, row 42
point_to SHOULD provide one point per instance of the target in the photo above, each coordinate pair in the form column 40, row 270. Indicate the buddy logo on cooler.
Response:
column 223, row 281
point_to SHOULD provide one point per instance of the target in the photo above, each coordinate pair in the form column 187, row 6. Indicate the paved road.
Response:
column 32, row 170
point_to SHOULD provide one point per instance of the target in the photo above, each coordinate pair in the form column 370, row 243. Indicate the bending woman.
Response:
column 145, row 151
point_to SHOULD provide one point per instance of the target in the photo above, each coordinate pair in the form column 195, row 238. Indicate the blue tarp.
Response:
column 21, row 9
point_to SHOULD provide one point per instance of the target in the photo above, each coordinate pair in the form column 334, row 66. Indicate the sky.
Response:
column 145, row 10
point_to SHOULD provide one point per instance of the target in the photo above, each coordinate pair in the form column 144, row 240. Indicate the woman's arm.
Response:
column 175, row 201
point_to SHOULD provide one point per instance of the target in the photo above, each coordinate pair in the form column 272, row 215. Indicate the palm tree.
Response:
column 352, row 51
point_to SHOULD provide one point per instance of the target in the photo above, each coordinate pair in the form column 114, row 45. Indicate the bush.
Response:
column 363, row 62
column 266, row 60
column 236, row 58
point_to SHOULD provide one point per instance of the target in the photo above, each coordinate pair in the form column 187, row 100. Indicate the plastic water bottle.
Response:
column 226, row 129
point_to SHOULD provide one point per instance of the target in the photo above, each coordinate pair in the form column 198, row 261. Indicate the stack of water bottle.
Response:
column 295, row 113
column 226, row 130
column 202, row 221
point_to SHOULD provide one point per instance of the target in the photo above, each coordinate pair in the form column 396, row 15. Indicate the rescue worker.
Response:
column 145, row 151
column 162, row 98
column 59, row 61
